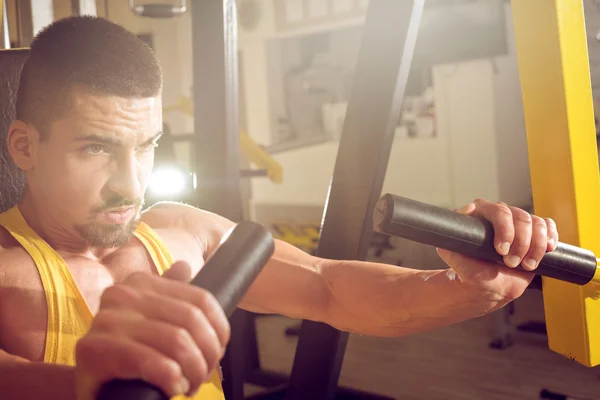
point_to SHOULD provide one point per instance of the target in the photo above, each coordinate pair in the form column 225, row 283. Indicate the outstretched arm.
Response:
column 385, row 300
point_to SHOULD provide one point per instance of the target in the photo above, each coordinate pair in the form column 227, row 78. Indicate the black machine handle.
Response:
column 227, row 275
column 473, row 237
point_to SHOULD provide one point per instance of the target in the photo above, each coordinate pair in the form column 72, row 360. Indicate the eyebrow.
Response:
column 116, row 142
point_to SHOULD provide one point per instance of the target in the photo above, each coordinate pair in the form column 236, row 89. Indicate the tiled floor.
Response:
column 453, row 363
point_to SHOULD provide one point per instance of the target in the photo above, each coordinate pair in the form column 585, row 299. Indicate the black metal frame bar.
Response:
column 215, row 72
column 381, row 75
column 373, row 113
column 214, row 47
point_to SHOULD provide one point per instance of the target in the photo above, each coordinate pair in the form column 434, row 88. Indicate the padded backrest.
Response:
column 12, row 180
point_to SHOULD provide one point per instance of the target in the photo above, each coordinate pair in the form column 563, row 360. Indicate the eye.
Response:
column 95, row 149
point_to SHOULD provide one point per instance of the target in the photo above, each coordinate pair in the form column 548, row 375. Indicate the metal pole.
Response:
column 216, row 155
column 33, row 19
column 83, row 7
column 5, row 39
column 384, row 61
column 214, row 46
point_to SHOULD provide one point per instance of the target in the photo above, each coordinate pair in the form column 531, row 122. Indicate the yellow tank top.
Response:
column 69, row 316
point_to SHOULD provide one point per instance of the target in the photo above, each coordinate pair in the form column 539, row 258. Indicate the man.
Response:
column 81, row 299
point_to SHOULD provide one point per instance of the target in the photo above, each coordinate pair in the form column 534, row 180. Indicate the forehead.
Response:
column 112, row 115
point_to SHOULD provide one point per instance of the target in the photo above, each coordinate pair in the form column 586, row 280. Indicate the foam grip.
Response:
column 228, row 274
column 471, row 236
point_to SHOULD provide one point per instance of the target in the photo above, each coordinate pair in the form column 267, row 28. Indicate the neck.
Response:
column 61, row 239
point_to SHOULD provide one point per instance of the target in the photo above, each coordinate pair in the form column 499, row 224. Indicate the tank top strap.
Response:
column 155, row 246
column 69, row 316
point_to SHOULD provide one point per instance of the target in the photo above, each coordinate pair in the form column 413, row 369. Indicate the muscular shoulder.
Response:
column 16, row 267
column 202, row 226
column 20, row 286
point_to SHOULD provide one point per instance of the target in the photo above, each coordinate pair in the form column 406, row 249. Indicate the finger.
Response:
column 501, row 218
column 201, row 324
column 538, row 245
column 196, row 360
column 107, row 357
column 522, row 239
column 552, row 234
column 179, row 271
column 188, row 293
column 467, row 269
column 467, row 209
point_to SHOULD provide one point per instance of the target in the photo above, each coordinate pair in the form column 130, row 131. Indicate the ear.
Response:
column 20, row 141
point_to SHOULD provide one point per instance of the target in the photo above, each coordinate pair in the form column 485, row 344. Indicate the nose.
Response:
column 125, row 179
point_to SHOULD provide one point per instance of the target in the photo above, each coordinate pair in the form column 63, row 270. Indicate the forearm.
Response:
column 21, row 379
column 384, row 300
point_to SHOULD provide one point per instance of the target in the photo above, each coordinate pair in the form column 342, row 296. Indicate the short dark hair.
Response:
column 83, row 52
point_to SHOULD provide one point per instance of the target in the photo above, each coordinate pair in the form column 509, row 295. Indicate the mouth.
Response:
column 118, row 215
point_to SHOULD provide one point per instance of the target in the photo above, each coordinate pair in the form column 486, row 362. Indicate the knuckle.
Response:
column 194, row 315
column 169, row 371
column 212, row 351
column 540, row 225
column 503, row 210
column 136, row 279
column 181, row 342
column 84, row 350
column 522, row 216
column 106, row 320
column 110, row 294
column 205, row 298
column 201, row 371
column 117, row 294
column 551, row 224
column 225, row 330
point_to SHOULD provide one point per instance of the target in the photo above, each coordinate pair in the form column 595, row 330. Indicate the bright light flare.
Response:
column 168, row 181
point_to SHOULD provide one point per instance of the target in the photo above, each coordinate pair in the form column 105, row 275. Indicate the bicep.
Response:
column 190, row 227
column 291, row 284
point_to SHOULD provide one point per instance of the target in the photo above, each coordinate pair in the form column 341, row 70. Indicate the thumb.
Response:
column 469, row 269
column 179, row 271
column 467, row 209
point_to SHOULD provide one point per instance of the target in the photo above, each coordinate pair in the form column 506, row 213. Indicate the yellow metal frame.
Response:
column 251, row 150
column 557, row 99
column 260, row 158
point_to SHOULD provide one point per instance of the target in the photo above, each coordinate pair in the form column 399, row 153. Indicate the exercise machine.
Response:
column 557, row 99
column 471, row 236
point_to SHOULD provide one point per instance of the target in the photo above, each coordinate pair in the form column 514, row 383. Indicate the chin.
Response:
column 105, row 235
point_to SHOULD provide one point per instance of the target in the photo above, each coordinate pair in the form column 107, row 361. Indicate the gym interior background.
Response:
column 461, row 136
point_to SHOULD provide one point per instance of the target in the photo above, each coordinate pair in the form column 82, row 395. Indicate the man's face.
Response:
column 92, row 170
